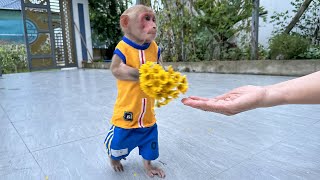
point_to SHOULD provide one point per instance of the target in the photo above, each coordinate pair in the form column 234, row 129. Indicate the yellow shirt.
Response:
column 133, row 108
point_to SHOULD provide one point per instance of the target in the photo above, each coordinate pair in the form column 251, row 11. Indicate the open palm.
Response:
column 233, row 102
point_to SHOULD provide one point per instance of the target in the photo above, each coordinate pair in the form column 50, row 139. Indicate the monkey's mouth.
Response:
column 153, row 34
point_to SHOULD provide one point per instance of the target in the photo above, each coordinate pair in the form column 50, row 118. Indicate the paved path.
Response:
column 52, row 126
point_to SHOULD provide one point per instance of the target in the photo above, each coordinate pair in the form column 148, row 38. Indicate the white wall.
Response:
column 266, row 28
column 87, row 29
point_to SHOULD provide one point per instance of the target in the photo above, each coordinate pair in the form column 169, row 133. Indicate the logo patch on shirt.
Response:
column 128, row 116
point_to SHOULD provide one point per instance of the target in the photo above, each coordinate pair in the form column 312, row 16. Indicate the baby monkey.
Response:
column 133, row 120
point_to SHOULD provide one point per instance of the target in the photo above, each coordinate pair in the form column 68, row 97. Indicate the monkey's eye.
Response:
column 148, row 18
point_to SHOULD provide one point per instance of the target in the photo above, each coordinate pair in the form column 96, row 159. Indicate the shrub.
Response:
column 13, row 58
column 288, row 46
column 311, row 53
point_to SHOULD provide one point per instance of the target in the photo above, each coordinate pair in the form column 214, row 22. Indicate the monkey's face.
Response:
column 145, row 28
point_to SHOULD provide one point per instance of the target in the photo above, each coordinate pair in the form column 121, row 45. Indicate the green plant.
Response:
column 287, row 46
column 263, row 52
column 104, row 19
column 98, row 60
column 202, row 30
column 311, row 53
column 13, row 58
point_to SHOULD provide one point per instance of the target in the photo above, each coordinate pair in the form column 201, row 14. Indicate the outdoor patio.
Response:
column 53, row 124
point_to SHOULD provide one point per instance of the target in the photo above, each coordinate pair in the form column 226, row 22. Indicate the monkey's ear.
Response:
column 124, row 21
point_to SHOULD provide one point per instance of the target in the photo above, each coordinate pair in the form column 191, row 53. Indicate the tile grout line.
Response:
column 67, row 142
column 253, row 155
column 6, row 114
column 315, row 122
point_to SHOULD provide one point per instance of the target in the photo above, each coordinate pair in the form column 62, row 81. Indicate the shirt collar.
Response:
column 135, row 45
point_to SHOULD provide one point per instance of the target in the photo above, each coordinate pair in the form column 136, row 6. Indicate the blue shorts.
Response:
column 120, row 142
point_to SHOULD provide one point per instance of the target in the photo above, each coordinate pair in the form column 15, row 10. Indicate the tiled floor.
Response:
column 52, row 126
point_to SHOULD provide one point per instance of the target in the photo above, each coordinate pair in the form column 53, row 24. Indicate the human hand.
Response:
column 233, row 102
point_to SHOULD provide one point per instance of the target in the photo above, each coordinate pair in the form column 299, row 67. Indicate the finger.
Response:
column 115, row 168
column 155, row 172
column 192, row 98
column 150, row 174
column 162, row 174
column 195, row 103
column 214, row 105
column 183, row 100
column 191, row 102
column 199, row 98
column 121, row 168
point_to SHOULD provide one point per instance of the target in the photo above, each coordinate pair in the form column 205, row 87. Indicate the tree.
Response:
column 144, row 2
column 304, row 21
column 255, row 30
column 296, row 18
column 104, row 19
column 197, row 30
column 225, row 19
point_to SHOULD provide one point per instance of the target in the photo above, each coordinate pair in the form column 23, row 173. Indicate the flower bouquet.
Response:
column 162, row 85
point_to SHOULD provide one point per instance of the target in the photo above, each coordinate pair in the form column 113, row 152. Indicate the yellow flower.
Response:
column 175, row 94
column 158, row 104
column 170, row 70
column 182, row 88
column 162, row 102
column 156, row 68
column 144, row 70
column 158, row 96
column 171, row 93
column 146, row 77
column 184, row 79
column 163, row 77
column 167, row 100
column 156, row 90
column 176, row 76
column 156, row 83
column 169, row 84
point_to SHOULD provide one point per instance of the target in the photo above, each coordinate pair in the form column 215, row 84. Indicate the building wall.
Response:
column 87, row 30
column 11, row 26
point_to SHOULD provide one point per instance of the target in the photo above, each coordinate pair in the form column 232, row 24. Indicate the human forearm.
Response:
column 303, row 90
